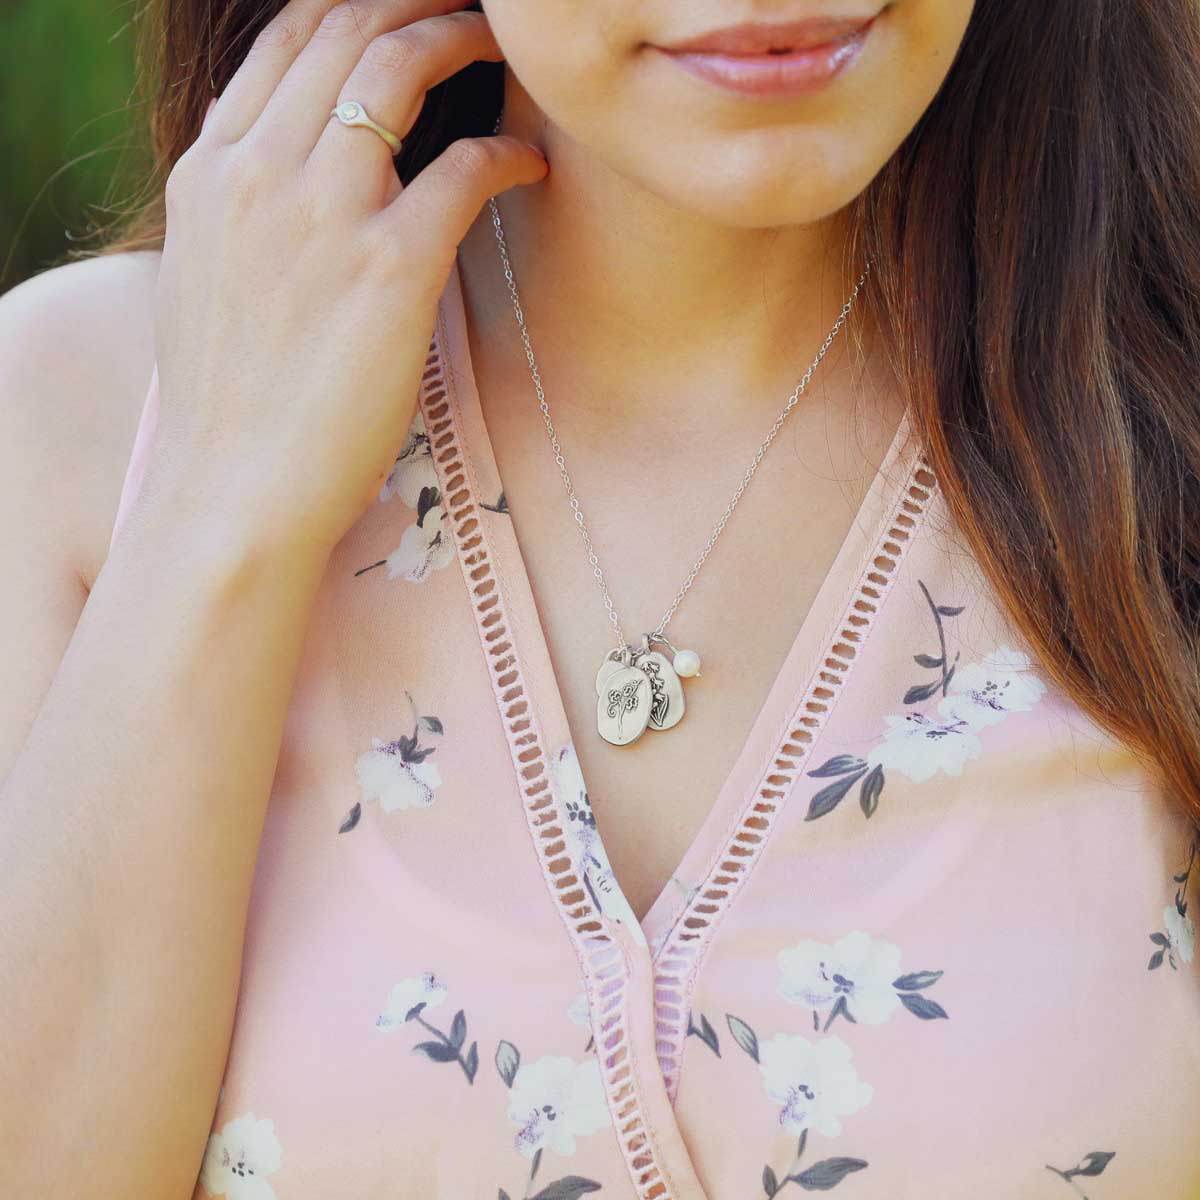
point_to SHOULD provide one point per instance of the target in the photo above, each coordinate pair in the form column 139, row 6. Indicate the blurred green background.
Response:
column 72, row 146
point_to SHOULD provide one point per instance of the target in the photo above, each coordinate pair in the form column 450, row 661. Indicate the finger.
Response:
column 354, row 165
column 295, row 116
column 445, row 198
column 272, row 52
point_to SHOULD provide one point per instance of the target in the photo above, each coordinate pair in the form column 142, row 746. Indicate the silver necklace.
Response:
column 638, row 688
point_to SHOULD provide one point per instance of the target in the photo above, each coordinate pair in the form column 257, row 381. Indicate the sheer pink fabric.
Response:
column 932, row 940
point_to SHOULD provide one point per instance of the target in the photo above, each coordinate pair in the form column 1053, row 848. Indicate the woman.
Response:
column 880, row 878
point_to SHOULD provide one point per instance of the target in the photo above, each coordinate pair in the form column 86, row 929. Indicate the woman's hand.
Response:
column 299, row 281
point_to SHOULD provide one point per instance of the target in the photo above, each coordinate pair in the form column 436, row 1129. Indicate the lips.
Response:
column 780, row 59
column 777, row 38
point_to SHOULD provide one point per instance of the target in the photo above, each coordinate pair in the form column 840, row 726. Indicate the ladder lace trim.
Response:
column 680, row 954
column 601, row 957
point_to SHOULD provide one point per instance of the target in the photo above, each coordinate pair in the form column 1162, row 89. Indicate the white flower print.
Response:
column 413, row 468
column 984, row 693
column 814, row 1082
column 857, row 977
column 425, row 546
column 944, row 737
column 1181, row 933
column 386, row 774
column 237, row 1159
column 858, row 970
column 425, row 990
column 580, row 1011
column 398, row 770
column 410, row 1000
column 555, row 1100
column 1177, row 939
column 659, row 940
column 918, row 745
column 584, row 845
column 613, row 904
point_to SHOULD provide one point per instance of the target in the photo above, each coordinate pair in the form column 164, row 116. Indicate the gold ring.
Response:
column 351, row 112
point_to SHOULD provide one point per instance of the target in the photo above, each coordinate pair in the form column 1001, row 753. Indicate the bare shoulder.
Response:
column 76, row 353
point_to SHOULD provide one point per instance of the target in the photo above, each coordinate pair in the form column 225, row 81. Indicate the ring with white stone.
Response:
column 351, row 112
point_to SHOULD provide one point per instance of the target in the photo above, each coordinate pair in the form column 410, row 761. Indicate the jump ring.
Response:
column 351, row 112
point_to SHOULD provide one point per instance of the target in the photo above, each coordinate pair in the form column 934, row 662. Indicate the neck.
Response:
column 628, row 298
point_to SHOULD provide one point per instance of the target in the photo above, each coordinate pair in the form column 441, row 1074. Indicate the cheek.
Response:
column 924, row 40
column 567, row 54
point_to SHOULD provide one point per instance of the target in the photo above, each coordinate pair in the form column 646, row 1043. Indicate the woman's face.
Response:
column 738, row 132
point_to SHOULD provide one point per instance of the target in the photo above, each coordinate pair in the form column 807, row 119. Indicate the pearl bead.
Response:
column 687, row 663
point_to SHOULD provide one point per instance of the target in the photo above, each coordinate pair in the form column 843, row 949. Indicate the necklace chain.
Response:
column 577, row 511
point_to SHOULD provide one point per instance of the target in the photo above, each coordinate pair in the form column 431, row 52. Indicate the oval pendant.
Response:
column 607, row 667
column 623, row 706
column 666, row 700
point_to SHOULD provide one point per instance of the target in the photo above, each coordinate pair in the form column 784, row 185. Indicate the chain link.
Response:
column 560, row 460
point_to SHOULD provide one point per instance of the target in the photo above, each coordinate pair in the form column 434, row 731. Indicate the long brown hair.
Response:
column 1036, row 253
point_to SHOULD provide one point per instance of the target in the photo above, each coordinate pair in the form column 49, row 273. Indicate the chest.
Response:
column 745, row 611
column 651, row 797
column 439, row 959
column 930, row 937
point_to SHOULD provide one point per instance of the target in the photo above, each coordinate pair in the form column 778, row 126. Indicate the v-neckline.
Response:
column 663, row 950
column 762, row 738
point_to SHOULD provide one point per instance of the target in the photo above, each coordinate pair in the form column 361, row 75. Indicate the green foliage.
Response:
column 72, row 140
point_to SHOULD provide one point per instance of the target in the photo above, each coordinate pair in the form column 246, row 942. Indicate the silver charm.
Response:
column 623, row 701
column 610, row 664
column 666, row 702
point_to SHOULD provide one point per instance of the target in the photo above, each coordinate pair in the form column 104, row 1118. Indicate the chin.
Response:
column 750, row 188
column 768, row 202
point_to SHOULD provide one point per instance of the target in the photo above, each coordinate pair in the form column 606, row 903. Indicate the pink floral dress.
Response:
column 932, row 940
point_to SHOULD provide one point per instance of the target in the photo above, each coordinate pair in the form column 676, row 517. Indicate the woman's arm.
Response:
column 294, row 305
column 137, row 772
